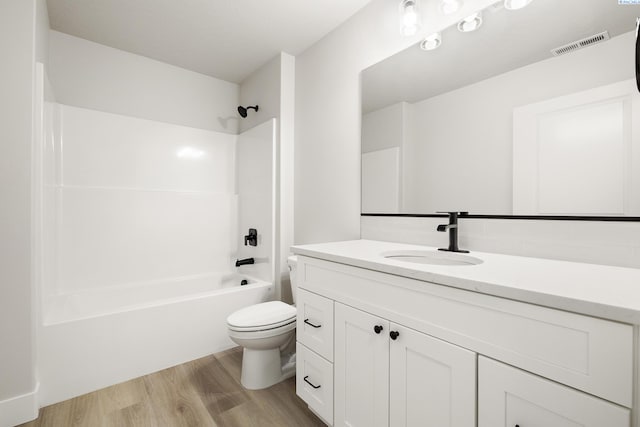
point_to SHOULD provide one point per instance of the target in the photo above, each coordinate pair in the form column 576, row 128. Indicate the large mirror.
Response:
column 494, row 123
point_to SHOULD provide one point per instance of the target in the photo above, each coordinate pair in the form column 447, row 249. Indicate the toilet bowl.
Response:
column 265, row 331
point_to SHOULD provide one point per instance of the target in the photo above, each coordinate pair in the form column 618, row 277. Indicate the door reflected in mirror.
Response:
column 492, row 122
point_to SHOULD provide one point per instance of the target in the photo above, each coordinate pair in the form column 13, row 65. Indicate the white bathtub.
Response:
column 90, row 340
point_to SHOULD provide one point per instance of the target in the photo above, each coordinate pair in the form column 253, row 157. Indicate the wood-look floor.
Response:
column 205, row 392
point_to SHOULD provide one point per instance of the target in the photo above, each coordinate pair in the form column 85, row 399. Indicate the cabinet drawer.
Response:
column 314, row 382
column 508, row 396
column 314, row 326
column 590, row 354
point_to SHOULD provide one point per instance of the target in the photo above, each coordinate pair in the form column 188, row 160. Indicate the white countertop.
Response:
column 596, row 290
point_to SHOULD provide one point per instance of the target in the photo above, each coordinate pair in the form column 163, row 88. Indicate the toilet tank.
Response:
column 292, row 262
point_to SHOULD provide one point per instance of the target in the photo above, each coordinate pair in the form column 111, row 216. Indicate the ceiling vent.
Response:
column 580, row 44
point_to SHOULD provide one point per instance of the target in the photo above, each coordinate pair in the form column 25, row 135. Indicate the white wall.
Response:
column 16, row 24
column 384, row 135
column 285, row 170
column 261, row 88
column 384, row 128
column 272, row 87
column 42, row 32
column 328, row 115
column 471, row 128
column 381, row 180
column 23, row 26
column 90, row 75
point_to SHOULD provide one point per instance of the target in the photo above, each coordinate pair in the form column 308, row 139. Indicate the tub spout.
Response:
column 245, row 261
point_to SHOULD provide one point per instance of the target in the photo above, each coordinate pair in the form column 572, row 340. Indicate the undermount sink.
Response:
column 432, row 257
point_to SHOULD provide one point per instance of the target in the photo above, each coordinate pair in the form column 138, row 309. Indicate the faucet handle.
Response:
column 251, row 238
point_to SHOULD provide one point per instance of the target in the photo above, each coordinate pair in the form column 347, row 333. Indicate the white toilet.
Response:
column 265, row 330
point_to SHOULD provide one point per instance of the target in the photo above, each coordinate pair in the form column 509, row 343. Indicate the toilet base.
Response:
column 264, row 368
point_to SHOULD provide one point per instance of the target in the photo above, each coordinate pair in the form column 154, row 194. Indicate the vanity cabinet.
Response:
column 509, row 397
column 390, row 375
column 408, row 352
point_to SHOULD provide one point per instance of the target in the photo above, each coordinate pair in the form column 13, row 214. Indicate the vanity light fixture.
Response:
column 409, row 17
column 516, row 4
column 431, row 42
column 450, row 6
column 470, row 23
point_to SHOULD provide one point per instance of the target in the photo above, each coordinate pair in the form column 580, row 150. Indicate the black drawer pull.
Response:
column 377, row 329
column 394, row 335
column 311, row 324
column 310, row 383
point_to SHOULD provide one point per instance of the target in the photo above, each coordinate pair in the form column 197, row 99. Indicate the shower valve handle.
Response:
column 251, row 238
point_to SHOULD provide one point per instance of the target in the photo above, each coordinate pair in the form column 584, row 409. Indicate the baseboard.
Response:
column 19, row 409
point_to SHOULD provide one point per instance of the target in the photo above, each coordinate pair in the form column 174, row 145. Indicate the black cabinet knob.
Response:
column 377, row 329
column 394, row 335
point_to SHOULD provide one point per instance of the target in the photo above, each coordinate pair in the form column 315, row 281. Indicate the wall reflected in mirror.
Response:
column 491, row 122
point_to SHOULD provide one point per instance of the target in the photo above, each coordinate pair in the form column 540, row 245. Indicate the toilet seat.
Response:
column 259, row 334
column 262, row 317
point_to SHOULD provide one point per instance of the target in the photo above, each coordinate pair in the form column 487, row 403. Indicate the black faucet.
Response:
column 251, row 238
column 245, row 261
column 452, row 227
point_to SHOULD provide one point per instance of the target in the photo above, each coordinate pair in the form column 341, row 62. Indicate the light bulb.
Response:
column 515, row 4
column 470, row 23
column 431, row 42
column 450, row 6
column 409, row 17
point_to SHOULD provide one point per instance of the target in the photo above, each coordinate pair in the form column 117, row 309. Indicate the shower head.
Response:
column 243, row 111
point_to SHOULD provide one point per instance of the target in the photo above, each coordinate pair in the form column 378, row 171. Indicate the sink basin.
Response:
column 433, row 257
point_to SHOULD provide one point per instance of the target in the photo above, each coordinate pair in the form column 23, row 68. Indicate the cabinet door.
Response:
column 361, row 366
column 509, row 397
column 432, row 382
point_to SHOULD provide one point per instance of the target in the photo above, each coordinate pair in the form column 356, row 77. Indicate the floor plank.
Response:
column 139, row 414
column 202, row 393
column 175, row 401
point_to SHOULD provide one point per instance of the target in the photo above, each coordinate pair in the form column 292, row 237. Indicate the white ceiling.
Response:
column 506, row 41
column 227, row 39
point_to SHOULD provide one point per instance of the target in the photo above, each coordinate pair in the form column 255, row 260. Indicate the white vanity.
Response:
column 512, row 341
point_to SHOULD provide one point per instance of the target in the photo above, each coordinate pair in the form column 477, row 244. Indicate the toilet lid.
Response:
column 266, row 315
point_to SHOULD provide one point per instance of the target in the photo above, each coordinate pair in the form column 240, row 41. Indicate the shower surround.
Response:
column 139, row 229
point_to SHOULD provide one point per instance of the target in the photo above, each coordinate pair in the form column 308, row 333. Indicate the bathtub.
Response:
column 93, row 339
